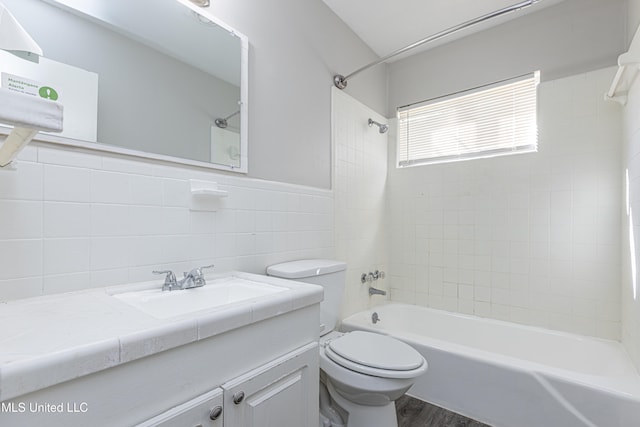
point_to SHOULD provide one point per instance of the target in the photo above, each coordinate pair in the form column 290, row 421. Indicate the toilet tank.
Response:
column 329, row 274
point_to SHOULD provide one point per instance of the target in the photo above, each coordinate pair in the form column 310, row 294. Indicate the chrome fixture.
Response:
column 374, row 291
column 340, row 81
column 375, row 318
column 201, row 3
column 378, row 275
column 222, row 122
column 370, row 277
column 192, row 279
column 382, row 128
column 169, row 280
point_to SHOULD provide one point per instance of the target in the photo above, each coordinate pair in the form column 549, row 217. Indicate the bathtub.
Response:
column 510, row 375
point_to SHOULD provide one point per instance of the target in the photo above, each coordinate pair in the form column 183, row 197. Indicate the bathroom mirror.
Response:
column 161, row 79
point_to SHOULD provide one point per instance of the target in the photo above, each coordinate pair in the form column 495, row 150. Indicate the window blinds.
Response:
column 492, row 120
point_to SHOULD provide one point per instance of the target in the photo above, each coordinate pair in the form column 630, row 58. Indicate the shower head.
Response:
column 221, row 122
column 382, row 128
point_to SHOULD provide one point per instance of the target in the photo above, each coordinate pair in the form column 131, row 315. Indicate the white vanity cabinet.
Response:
column 280, row 393
column 88, row 358
column 203, row 411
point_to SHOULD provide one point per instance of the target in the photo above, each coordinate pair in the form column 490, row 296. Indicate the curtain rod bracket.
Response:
column 340, row 81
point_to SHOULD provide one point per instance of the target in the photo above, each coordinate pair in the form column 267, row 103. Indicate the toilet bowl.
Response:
column 366, row 372
column 363, row 372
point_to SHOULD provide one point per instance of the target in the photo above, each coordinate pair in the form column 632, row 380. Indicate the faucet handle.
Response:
column 197, row 276
column 366, row 277
column 169, row 281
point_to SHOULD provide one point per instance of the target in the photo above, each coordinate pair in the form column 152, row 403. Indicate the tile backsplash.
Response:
column 72, row 219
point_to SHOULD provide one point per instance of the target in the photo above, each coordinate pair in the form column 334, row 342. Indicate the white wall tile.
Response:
column 63, row 219
column 176, row 192
column 147, row 220
column 24, row 183
column 515, row 234
column 21, row 258
column 69, row 255
column 53, row 284
column 68, row 157
column 66, row 184
column 25, row 287
column 146, row 190
column 110, row 187
column 21, row 219
column 109, row 220
column 110, row 252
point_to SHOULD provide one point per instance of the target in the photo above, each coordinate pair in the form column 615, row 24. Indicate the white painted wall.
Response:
column 360, row 177
column 295, row 49
column 530, row 238
column 569, row 38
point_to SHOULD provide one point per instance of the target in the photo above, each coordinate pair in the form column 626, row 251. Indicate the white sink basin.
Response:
column 164, row 304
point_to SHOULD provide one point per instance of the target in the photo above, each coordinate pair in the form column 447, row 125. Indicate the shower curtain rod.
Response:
column 341, row 81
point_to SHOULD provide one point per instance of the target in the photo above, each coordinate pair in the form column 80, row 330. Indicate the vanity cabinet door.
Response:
column 203, row 411
column 282, row 393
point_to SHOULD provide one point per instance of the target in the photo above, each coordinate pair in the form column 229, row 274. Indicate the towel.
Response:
column 29, row 111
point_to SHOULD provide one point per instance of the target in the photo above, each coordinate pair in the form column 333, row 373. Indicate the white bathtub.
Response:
column 509, row 375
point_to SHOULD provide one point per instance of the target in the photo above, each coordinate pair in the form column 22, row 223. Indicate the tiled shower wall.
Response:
column 74, row 219
column 631, row 227
column 360, row 177
column 530, row 238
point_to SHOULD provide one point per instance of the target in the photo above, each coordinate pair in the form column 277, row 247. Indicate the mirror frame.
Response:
column 244, row 118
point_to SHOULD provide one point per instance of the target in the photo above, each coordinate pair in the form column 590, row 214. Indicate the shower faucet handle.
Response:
column 367, row 278
column 378, row 275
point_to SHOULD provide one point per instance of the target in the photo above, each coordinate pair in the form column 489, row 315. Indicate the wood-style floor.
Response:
column 415, row 413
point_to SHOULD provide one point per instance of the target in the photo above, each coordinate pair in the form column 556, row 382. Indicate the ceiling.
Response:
column 389, row 25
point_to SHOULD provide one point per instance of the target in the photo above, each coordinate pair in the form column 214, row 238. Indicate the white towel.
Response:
column 29, row 111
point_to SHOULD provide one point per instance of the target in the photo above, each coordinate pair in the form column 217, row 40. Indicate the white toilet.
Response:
column 364, row 372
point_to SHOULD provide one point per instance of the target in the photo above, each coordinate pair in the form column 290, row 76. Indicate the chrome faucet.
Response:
column 374, row 291
column 192, row 279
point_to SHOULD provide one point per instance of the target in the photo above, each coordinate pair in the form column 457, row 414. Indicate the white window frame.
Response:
column 461, row 126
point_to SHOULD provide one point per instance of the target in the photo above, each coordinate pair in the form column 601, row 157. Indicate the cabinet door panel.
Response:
column 194, row 413
column 282, row 393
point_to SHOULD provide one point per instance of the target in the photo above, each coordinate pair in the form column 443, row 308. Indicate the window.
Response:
column 492, row 120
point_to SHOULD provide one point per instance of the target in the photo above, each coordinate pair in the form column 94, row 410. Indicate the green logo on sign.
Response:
column 48, row 93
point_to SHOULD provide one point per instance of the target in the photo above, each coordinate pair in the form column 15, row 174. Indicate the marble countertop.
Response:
column 51, row 339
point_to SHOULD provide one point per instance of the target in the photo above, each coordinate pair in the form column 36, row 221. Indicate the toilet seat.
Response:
column 376, row 355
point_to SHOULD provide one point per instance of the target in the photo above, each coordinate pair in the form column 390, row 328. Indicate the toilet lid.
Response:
column 376, row 351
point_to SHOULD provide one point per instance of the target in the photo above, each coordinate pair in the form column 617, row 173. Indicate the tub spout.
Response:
column 374, row 291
